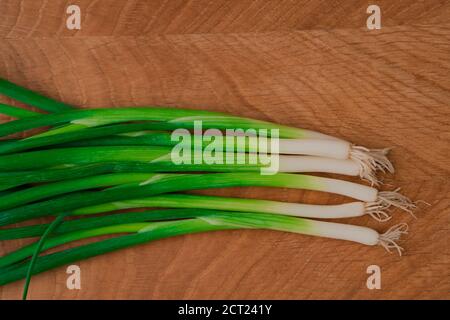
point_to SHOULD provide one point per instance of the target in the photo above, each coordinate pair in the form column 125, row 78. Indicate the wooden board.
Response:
column 310, row 64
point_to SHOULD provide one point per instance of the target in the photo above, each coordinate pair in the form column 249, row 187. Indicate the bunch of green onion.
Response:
column 99, row 161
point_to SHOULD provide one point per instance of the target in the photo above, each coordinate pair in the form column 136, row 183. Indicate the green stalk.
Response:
column 95, row 222
column 45, row 141
column 147, row 139
column 16, row 112
column 30, row 97
column 37, row 250
column 160, row 159
column 54, row 157
column 152, row 139
column 109, row 136
column 190, row 201
column 174, row 118
column 40, row 192
column 54, row 241
column 96, row 117
column 8, row 188
column 163, row 230
column 161, row 183
column 16, row 178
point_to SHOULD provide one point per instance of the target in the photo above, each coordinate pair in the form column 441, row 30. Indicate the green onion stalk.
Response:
column 16, row 112
column 32, row 98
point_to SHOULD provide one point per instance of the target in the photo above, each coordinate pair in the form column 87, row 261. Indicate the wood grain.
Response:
column 290, row 62
column 24, row 18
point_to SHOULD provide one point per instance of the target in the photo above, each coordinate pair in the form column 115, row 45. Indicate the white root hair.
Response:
column 371, row 160
column 388, row 239
column 396, row 199
column 379, row 209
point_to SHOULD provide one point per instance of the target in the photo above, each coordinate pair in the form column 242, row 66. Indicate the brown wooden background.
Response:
column 305, row 63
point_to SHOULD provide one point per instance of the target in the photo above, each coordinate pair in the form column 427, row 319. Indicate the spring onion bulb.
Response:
column 221, row 220
column 332, row 230
column 162, row 183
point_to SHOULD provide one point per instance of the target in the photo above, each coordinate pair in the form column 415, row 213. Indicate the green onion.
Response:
column 30, row 97
column 316, row 147
column 144, row 232
column 337, row 149
column 352, row 209
column 161, row 159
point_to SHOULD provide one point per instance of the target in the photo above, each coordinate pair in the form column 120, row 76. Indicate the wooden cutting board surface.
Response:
column 310, row 64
